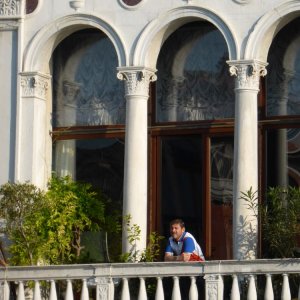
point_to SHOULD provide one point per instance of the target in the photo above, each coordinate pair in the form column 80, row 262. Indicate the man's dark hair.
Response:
column 177, row 221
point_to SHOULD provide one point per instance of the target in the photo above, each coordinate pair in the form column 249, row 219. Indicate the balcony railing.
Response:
column 212, row 280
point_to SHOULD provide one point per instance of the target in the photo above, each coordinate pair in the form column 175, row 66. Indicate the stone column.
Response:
column 33, row 162
column 245, row 174
column 137, row 80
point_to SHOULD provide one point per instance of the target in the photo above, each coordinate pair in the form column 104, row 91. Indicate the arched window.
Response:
column 88, row 112
column 192, row 137
column 282, row 114
column 31, row 5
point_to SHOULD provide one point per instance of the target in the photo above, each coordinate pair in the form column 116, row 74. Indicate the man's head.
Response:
column 177, row 228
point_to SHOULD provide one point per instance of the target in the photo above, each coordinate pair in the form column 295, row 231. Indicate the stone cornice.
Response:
column 247, row 72
column 137, row 80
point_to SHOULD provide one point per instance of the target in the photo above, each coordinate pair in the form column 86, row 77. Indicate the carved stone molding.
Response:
column 10, row 7
column 213, row 287
column 103, row 288
column 8, row 25
column 137, row 80
column 35, row 85
column 248, row 73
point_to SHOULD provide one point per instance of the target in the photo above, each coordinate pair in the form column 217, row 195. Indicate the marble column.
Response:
column 33, row 160
column 245, row 223
column 137, row 80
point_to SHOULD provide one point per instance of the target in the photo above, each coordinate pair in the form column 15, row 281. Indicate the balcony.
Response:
column 212, row 280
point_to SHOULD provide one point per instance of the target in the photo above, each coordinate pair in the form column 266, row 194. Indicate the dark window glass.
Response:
column 283, row 88
column 131, row 2
column 283, row 157
column 97, row 161
column 31, row 5
column 181, row 182
column 193, row 79
column 221, row 197
column 86, row 89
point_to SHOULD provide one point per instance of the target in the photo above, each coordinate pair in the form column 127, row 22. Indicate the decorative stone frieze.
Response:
column 35, row 85
column 10, row 7
column 137, row 80
column 248, row 73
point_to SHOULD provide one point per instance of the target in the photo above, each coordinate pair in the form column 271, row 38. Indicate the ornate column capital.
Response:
column 248, row 73
column 137, row 80
column 34, row 85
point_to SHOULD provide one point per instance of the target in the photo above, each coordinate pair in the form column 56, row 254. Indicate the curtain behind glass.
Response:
column 86, row 89
column 283, row 88
column 193, row 79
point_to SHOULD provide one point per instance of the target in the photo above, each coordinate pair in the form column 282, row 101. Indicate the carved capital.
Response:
column 34, row 85
column 137, row 80
column 10, row 7
column 248, row 73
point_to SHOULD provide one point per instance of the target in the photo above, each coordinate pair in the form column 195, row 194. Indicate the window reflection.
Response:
column 97, row 161
column 283, row 87
column 193, row 78
column 86, row 89
column 283, row 157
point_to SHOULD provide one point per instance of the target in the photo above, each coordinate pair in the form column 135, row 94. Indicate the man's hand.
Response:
column 183, row 257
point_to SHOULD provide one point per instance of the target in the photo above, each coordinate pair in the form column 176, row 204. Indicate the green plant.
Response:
column 47, row 227
column 152, row 250
column 20, row 207
column 280, row 219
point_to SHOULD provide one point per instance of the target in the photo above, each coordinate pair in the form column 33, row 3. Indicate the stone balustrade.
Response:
column 212, row 280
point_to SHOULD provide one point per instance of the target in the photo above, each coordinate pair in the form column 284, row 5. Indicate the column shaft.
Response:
column 135, row 170
column 245, row 155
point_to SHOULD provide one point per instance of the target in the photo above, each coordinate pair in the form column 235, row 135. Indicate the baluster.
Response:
column 159, row 295
column 269, row 294
column 235, row 291
column 6, row 290
column 286, row 292
column 21, row 294
column 176, row 289
column 53, row 294
column 193, row 293
column 125, row 290
column 142, row 290
column 84, row 291
column 69, row 291
column 251, row 289
column 37, row 291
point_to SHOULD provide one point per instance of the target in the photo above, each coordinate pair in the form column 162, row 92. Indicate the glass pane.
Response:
column 283, row 157
column 221, row 197
column 181, row 183
column 99, row 162
column 86, row 89
column 283, row 88
column 193, row 78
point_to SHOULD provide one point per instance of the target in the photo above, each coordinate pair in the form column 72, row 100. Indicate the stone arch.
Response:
column 41, row 47
column 267, row 27
column 154, row 35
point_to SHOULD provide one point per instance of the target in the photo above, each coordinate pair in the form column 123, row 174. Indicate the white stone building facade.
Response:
column 172, row 107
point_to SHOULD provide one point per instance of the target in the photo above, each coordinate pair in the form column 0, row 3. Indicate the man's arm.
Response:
column 183, row 257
